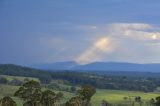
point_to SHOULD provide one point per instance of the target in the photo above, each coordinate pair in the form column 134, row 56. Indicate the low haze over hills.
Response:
column 101, row 66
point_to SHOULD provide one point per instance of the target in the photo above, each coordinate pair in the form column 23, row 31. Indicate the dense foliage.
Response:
column 145, row 84
column 83, row 97
column 7, row 101
column 32, row 95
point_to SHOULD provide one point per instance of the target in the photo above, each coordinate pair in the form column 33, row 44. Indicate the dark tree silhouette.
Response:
column 157, row 101
column 139, row 100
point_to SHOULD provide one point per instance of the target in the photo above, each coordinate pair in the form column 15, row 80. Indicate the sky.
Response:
column 85, row 31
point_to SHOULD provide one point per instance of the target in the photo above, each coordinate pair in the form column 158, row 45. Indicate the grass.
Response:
column 10, row 78
column 8, row 90
column 112, row 96
column 116, row 96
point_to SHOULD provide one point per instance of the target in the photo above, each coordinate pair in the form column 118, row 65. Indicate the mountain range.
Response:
column 101, row 66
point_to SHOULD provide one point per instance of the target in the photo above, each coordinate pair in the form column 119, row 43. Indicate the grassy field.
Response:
column 112, row 96
column 7, row 90
column 9, row 78
column 117, row 96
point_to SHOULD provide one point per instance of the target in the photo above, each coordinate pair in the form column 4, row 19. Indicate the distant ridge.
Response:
column 102, row 66
column 58, row 66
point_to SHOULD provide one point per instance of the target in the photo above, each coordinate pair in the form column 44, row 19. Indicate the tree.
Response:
column 7, row 101
column 30, row 92
column 157, row 101
column 86, row 93
column 83, row 97
column 152, row 102
column 74, row 101
column 48, row 98
column 139, row 100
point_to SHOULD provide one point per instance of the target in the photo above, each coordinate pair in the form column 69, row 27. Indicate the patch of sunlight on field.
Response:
column 116, row 96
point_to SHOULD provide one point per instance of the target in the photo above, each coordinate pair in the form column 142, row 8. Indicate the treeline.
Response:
column 110, row 82
column 146, row 84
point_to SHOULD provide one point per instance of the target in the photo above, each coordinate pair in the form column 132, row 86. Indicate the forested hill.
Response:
column 17, row 70
column 12, row 69
column 111, row 80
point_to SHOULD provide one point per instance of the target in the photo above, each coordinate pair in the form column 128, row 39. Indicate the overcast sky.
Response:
column 47, row 31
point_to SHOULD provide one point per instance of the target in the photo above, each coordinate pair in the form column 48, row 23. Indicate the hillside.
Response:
column 136, row 81
column 17, row 70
